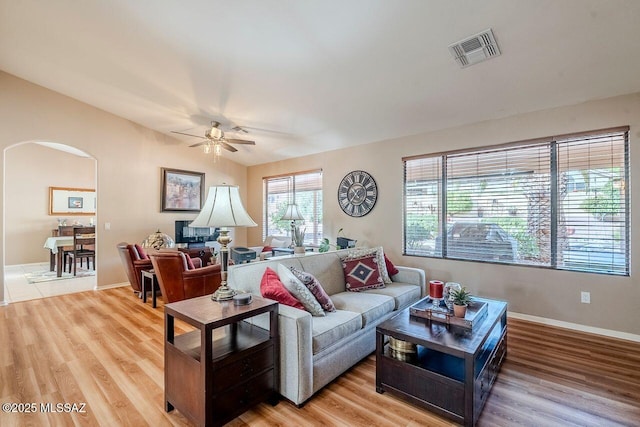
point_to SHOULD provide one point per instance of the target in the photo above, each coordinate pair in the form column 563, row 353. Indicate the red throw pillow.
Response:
column 391, row 269
column 362, row 273
column 267, row 249
column 190, row 262
column 271, row 287
column 141, row 253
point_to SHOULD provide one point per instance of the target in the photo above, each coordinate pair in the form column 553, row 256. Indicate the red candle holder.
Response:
column 436, row 288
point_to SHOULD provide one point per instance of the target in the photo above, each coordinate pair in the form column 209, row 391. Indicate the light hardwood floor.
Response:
column 105, row 349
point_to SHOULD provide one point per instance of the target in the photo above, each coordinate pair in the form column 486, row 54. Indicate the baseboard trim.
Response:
column 111, row 286
column 3, row 303
column 576, row 326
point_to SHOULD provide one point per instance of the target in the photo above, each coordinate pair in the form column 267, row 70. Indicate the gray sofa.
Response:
column 316, row 350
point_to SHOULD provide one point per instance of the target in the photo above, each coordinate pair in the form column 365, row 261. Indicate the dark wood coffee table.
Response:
column 453, row 368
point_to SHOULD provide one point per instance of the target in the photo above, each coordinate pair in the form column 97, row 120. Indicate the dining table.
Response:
column 55, row 253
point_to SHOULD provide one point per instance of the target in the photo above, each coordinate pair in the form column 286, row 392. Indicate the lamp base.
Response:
column 223, row 293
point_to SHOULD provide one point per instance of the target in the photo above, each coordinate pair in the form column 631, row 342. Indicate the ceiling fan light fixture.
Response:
column 214, row 133
column 207, row 148
column 217, row 149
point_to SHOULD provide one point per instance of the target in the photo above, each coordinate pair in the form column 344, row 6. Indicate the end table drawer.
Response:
column 243, row 369
column 244, row 395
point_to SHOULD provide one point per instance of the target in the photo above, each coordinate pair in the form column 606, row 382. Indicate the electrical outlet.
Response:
column 107, row 226
column 585, row 297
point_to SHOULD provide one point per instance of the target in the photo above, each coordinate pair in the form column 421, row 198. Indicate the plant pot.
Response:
column 298, row 250
column 459, row 310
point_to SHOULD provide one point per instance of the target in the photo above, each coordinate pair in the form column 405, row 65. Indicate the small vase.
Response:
column 298, row 250
column 448, row 287
column 459, row 310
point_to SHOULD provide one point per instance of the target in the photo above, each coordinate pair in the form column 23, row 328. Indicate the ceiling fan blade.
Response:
column 240, row 141
column 198, row 144
column 188, row 134
column 239, row 129
column 227, row 146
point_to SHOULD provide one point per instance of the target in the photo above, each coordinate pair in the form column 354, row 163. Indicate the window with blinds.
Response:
column 559, row 202
column 305, row 190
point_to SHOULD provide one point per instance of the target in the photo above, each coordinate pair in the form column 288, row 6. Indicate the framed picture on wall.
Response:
column 72, row 201
column 182, row 191
column 75, row 202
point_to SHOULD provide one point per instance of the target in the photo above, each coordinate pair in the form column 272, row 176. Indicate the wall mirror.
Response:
column 72, row 201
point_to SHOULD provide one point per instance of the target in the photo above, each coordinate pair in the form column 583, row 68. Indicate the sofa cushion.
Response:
column 333, row 327
column 361, row 273
column 402, row 293
column 326, row 267
column 310, row 281
column 372, row 307
column 247, row 276
column 271, row 287
column 299, row 291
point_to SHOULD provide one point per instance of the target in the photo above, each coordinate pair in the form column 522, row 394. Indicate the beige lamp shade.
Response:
column 292, row 213
column 223, row 208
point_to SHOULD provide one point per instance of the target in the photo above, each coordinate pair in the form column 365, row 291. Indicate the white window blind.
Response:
column 593, row 208
column 303, row 189
column 557, row 202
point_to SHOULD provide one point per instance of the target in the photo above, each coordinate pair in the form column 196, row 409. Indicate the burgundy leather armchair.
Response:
column 178, row 282
column 133, row 264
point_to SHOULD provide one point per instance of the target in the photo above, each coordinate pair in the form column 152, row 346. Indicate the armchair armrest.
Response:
column 296, row 352
column 414, row 276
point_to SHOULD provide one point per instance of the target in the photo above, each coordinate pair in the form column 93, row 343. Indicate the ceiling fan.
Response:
column 215, row 140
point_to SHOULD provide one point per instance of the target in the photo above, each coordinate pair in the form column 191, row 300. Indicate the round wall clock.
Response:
column 357, row 193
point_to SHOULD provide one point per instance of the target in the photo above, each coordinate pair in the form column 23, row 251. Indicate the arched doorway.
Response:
column 30, row 168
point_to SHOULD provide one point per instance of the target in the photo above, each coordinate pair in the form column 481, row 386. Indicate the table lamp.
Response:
column 292, row 214
column 223, row 208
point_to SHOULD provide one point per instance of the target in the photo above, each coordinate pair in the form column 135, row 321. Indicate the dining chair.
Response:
column 84, row 241
column 64, row 230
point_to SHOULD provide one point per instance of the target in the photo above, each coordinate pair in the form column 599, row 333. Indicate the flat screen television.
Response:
column 195, row 237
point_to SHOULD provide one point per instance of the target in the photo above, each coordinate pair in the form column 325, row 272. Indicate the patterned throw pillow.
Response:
column 300, row 291
column 362, row 273
column 271, row 287
column 379, row 255
column 316, row 289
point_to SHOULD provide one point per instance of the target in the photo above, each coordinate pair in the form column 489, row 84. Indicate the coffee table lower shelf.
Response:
column 442, row 379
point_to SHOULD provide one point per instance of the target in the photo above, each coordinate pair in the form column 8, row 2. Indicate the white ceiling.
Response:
column 310, row 76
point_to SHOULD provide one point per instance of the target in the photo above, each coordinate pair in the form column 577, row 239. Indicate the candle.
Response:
column 435, row 288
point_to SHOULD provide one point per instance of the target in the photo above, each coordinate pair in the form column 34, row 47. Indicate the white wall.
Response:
column 32, row 169
column 615, row 301
column 129, row 160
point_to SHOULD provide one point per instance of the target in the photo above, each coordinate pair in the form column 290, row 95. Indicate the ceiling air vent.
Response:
column 475, row 48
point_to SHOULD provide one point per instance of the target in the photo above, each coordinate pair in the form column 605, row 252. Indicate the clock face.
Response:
column 357, row 193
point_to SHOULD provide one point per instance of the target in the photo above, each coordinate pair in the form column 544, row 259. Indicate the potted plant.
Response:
column 325, row 245
column 298, row 240
column 461, row 298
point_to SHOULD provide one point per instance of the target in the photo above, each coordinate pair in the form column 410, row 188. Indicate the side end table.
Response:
column 149, row 276
column 225, row 366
